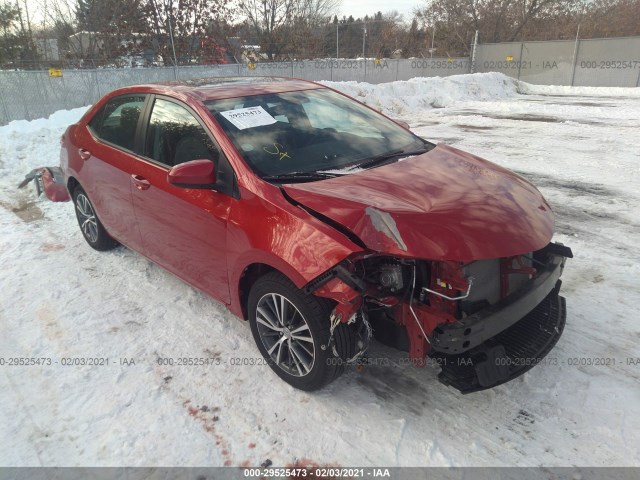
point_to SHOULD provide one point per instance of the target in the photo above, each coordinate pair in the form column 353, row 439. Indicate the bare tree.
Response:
column 496, row 20
column 610, row 18
column 59, row 18
column 16, row 41
column 183, row 26
column 385, row 33
column 316, row 12
column 279, row 22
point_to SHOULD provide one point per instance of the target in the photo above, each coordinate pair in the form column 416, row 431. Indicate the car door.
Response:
column 106, row 151
column 182, row 229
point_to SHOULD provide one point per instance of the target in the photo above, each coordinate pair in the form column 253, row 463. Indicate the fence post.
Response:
column 576, row 50
column 520, row 59
column 97, row 82
column 473, row 53
column 397, row 68
column 638, row 80
column 24, row 98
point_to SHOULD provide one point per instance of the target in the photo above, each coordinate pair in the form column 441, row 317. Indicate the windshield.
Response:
column 309, row 131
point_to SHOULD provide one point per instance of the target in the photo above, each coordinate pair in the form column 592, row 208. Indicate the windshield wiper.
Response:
column 299, row 176
column 385, row 158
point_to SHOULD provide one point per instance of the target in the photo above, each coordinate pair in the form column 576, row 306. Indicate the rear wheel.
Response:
column 291, row 329
column 90, row 226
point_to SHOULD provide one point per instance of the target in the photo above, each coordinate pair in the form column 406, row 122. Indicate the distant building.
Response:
column 47, row 48
column 83, row 43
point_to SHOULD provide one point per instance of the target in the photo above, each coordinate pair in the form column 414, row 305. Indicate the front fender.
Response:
column 273, row 232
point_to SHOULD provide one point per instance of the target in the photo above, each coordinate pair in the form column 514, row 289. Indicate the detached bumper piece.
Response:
column 49, row 180
column 510, row 353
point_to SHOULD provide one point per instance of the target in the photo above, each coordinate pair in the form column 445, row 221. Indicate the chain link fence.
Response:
column 31, row 94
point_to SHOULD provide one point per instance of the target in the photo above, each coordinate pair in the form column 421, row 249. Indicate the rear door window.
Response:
column 117, row 121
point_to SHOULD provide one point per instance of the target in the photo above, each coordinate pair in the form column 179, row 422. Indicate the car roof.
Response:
column 216, row 88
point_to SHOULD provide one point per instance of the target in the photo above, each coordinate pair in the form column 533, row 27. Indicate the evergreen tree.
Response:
column 9, row 42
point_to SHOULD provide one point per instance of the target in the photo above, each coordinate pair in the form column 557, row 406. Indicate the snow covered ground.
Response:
column 61, row 299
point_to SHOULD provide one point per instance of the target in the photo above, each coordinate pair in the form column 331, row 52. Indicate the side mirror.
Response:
column 403, row 124
column 193, row 174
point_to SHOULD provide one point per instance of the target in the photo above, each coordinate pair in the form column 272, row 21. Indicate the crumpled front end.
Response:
column 483, row 322
column 457, row 265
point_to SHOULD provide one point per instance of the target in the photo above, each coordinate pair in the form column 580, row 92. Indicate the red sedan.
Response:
column 323, row 223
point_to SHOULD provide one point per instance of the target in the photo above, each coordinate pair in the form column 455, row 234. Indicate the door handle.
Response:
column 141, row 183
column 84, row 154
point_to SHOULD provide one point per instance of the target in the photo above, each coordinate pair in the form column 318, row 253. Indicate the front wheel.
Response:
column 291, row 329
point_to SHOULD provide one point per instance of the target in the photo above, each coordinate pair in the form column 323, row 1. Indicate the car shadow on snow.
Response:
column 388, row 377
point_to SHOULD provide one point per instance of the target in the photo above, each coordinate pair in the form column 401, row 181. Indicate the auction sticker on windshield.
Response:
column 249, row 117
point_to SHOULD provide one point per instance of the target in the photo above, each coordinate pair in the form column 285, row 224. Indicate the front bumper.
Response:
column 510, row 353
column 474, row 330
column 506, row 340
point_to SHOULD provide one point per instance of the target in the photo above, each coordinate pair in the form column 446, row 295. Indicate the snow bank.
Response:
column 403, row 98
column 411, row 96
column 60, row 119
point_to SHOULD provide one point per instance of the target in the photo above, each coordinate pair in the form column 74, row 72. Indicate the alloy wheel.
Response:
column 87, row 218
column 285, row 334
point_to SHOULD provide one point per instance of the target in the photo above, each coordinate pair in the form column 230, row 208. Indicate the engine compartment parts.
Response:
column 486, row 321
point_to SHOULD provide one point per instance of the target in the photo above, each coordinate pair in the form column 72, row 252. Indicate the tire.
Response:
column 298, row 359
column 92, row 229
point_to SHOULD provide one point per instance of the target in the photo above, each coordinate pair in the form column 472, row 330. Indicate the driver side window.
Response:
column 175, row 136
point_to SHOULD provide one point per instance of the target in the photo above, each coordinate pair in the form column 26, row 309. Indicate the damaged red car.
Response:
column 323, row 223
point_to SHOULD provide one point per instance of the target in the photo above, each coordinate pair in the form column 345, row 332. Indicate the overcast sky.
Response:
column 360, row 8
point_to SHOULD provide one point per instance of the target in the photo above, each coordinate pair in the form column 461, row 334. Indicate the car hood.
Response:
column 445, row 204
